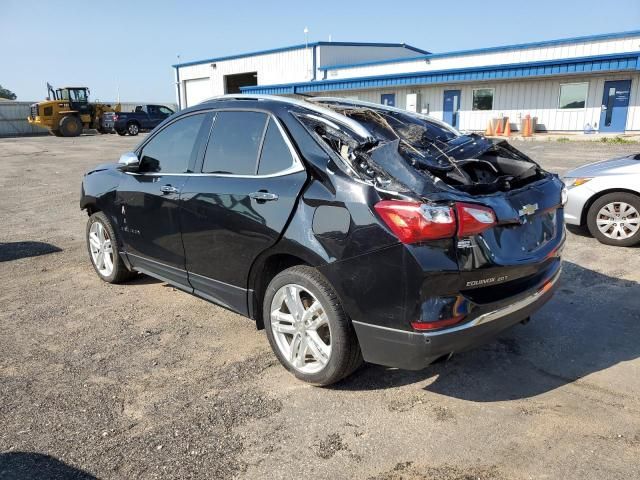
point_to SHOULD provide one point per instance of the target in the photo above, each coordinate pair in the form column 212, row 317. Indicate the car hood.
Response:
column 629, row 164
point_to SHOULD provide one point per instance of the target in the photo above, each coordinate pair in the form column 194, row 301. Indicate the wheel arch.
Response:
column 261, row 274
column 595, row 197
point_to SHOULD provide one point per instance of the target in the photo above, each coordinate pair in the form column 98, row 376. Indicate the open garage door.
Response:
column 196, row 90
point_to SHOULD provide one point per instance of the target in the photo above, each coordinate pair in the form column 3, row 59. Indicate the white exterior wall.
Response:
column 272, row 68
column 342, row 54
column 573, row 50
column 280, row 67
column 515, row 99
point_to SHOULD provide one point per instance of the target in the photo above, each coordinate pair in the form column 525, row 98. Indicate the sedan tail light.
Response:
column 414, row 222
column 115, row 118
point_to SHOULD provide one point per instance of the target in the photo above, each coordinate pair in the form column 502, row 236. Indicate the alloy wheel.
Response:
column 618, row 220
column 133, row 129
column 101, row 249
column 301, row 329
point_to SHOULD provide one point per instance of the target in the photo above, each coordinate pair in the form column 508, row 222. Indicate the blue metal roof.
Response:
column 504, row 48
column 567, row 66
column 301, row 46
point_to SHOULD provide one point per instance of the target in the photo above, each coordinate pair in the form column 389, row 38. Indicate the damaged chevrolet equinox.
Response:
column 349, row 231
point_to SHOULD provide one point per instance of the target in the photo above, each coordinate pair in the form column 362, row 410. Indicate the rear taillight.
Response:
column 115, row 118
column 413, row 222
column 473, row 219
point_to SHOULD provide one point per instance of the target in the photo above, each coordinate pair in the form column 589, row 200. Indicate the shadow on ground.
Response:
column 36, row 466
column 16, row 250
column 591, row 324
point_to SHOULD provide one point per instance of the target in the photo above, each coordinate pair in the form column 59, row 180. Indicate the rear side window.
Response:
column 171, row 150
column 275, row 156
column 235, row 143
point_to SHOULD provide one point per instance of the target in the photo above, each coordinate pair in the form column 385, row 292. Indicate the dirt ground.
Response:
column 143, row 381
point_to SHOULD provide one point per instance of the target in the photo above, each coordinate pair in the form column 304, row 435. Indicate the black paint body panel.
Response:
column 212, row 239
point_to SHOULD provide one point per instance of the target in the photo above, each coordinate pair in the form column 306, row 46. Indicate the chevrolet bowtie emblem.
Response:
column 528, row 209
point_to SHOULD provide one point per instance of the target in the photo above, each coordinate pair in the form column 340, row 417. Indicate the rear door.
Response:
column 239, row 203
column 148, row 200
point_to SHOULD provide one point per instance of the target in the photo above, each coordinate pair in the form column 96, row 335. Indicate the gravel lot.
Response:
column 143, row 381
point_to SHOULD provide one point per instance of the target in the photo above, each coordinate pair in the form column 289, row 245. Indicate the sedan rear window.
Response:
column 234, row 143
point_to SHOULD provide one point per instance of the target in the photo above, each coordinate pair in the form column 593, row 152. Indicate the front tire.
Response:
column 614, row 219
column 308, row 329
column 70, row 126
column 102, row 245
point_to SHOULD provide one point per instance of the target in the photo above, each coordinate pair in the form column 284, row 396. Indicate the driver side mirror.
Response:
column 129, row 162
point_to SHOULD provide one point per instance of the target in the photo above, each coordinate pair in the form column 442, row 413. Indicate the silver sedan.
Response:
column 605, row 197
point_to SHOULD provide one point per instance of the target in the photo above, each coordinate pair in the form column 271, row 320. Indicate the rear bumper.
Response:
column 415, row 350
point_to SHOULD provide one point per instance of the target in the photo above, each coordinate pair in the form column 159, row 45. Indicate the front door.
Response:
column 615, row 101
column 148, row 200
column 239, row 203
column 451, row 107
column 388, row 99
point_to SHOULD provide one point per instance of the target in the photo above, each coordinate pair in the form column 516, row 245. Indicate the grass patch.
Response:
column 563, row 140
column 617, row 140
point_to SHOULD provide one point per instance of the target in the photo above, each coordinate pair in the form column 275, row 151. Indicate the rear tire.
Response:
column 314, row 339
column 614, row 219
column 122, row 133
column 133, row 129
column 102, row 241
column 70, row 126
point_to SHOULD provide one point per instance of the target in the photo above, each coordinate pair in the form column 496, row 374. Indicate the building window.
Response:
column 483, row 98
column 573, row 95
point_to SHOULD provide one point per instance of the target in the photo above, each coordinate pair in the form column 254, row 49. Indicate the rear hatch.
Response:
column 414, row 156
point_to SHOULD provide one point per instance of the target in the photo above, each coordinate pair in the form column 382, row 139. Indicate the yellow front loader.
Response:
column 67, row 111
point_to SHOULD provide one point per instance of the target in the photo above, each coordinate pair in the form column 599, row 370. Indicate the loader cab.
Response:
column 78, row 98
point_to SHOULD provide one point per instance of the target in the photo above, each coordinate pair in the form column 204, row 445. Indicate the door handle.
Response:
column 168, row 189
column 263, row 196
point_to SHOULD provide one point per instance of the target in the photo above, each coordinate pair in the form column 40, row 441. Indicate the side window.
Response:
column 171, row 150
column 234, row 143
column 166, row 111
column 275, row 156
column 152, row 110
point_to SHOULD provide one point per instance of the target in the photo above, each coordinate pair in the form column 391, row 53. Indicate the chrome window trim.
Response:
column 296, row 167
column 357, row 128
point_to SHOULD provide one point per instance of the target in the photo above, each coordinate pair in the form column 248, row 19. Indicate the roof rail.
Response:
column 327, row 112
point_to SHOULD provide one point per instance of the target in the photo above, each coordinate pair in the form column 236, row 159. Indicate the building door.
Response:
column 196, row 90
column 615, row 101
column 388, row 99
column 451, row 107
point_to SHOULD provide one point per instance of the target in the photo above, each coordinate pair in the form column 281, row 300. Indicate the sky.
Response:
column 129, row 46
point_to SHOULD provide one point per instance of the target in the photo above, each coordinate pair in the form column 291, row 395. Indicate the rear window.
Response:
column 235, row 142
column 387, row 125
column 275, row 156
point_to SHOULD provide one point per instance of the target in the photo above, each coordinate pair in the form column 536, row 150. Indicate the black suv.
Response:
column 347, row 230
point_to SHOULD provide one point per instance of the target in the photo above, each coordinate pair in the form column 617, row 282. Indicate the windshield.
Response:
column 78, row 95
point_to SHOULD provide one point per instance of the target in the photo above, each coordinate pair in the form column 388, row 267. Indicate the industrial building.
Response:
column 569, row 85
